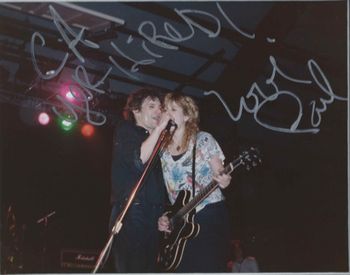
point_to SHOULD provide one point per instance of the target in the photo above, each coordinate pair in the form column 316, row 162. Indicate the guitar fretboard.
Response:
column 201, row 195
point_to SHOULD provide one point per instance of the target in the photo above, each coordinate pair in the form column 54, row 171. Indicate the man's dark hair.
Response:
column 136, row 99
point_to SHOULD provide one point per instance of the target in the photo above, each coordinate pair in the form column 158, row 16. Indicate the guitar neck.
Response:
column 206, row 191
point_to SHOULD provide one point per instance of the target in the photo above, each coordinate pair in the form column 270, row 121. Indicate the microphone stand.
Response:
column 44, row 220
column 118, row 224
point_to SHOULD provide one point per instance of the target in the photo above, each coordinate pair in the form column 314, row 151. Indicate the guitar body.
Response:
column 183, row 228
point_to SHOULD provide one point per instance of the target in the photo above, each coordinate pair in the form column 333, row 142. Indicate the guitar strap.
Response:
column 194, row 167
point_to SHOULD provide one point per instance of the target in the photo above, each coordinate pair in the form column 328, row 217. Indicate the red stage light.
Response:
column 87, row 130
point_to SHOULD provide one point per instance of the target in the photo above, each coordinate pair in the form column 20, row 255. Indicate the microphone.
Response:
column 170, row 124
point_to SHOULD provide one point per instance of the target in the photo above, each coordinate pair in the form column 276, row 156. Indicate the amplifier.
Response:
column 78, row 259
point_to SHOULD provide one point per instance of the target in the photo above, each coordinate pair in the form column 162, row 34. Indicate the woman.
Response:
column 209, row 250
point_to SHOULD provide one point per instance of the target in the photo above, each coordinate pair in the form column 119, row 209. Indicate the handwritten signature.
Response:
column 260, row 99
column 147, row 30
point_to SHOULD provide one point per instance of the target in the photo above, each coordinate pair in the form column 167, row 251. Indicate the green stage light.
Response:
column 66, row 124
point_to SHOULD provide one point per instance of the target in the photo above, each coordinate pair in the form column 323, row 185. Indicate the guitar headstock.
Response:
column 250, row 158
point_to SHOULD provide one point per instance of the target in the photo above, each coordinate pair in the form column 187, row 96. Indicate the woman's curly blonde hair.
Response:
column 190, row 109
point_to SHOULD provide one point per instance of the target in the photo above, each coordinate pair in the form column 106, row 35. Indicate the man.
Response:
column 135, row 247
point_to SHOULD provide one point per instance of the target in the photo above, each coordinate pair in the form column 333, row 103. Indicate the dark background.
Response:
column 292, row 210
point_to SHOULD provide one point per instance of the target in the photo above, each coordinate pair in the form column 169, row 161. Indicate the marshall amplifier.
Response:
column 78, row 259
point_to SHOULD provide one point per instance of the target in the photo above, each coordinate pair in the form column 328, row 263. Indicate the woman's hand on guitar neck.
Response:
column 164, row 224
column 218, row 168
column 224, row 180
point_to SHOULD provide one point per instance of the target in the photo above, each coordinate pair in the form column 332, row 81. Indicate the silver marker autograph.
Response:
column 260, row 99
column 147, row 30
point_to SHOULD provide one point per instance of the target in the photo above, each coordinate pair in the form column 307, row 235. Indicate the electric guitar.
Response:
column 182, row 212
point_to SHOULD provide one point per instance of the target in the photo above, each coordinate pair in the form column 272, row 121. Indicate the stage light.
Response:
column 70, row 93
column 87, row 130
column 66, row 124
column 43, row 118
